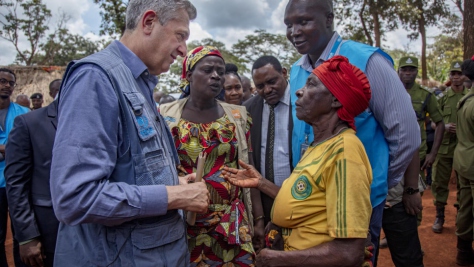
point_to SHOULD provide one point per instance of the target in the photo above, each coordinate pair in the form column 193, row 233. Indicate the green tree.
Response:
column 444, row 50
column 33, row 23
column 228, row 56
column 113, row 16
column 366, row 21
column 61, row 47
column 262, row 43
column 416, row 16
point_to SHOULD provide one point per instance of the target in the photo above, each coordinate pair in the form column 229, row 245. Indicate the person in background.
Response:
column 8, row 112
column 430, row 134
column 443, row 165
column 272, row 124
column 27, row 175
column 468, row 83
column 23, row 100
column 54, row 88
column 463, row 164
column 167, row 99
column 199, row 123
column 122, row 206
column 232, row 85
column 157, row 97
column 246, row 88
column 389, row 130
column 36, row 101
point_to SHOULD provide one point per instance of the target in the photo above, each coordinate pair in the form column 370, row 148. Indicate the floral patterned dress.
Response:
column 220, row 237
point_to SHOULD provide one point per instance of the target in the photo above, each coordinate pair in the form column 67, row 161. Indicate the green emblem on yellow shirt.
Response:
column 302, row 188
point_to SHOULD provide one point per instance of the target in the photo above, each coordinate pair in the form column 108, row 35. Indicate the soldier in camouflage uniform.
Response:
column 444, row 162
column 423, row 102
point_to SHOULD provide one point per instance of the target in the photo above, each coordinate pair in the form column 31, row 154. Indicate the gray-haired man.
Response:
column 114, row 183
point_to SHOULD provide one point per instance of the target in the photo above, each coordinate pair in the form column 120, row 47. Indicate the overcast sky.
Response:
column 224, row 20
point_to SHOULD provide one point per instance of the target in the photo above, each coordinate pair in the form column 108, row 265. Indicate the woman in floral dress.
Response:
column 200, row 123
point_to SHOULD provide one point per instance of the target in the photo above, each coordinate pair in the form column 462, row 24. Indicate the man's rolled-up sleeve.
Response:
column 392, row 108
column 85, row 154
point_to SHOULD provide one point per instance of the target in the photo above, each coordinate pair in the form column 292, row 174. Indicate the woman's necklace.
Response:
column 320, row 142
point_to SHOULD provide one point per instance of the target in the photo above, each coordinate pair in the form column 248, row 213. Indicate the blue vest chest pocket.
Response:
column 153, row 168
column 142, row 119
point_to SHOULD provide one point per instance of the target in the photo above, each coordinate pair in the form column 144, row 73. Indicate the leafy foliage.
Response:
column 33, row 23
column 113, row 16
column 263, row 43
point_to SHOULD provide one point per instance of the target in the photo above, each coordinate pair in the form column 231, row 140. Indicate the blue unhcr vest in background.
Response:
column 145, row 157
column 368, row 129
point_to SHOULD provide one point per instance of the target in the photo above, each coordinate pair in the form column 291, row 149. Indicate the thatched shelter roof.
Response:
column 35, row 79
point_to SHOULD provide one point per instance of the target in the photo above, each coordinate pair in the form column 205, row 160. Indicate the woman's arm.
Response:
column 249, row 177
column 258, row 239
column 338, row 253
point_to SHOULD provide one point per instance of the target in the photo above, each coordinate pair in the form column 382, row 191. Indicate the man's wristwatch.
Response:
column 411, row 191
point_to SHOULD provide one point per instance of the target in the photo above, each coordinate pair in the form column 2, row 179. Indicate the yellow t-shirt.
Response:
column 327, row 196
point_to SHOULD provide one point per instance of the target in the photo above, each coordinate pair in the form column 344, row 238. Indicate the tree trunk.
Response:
column 377, row 34
column 468, row 29
column 422, row 30
column 364, row 26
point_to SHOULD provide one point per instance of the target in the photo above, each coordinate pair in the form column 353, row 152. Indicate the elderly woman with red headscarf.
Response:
column 321, row 213
column 200, row 123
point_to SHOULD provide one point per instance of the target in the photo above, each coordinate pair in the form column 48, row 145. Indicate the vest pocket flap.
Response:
column 137, row 101
column 157, row 235
column 143, row 119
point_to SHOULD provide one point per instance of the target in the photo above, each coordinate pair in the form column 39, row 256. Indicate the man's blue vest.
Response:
column 368, row 129
column 145, row 157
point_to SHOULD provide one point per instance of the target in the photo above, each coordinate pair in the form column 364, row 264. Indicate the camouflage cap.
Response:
column 456, row 66
column 36, row 96
column 408, row 62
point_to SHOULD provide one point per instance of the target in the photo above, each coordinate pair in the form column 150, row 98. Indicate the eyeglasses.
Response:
column 5, row 82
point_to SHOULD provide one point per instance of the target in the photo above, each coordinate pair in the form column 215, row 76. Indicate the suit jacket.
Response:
column 255, row 107
column 27, row 172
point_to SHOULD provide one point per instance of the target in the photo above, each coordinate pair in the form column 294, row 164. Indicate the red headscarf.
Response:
column 348, row 84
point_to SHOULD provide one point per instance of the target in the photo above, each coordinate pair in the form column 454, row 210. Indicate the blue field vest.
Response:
column 145, row 157
column 368, row 129
column 13, row 110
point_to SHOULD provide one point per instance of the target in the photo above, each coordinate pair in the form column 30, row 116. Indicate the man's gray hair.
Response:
column 165, row 10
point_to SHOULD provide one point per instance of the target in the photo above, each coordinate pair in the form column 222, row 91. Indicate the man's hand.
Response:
column 2, row 150
column 31, row 254
column 412, row 203
column 258, row 239
column 429, row 160
column 248, row 177
column 190, row 197
column 451, row 128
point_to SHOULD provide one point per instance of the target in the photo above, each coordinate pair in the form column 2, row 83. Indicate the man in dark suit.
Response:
column 272, row 124
column 27, row 174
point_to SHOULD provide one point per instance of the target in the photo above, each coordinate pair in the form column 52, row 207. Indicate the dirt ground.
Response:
column 440, row 249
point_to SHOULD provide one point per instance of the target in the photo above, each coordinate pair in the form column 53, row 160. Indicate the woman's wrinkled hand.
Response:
column 248, row 177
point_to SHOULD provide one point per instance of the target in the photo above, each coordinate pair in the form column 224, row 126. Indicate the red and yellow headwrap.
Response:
column 190, row 61
column 348, row 84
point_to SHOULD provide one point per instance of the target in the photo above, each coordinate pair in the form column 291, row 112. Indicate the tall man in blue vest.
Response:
column 388, row 129
column 114, row 184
